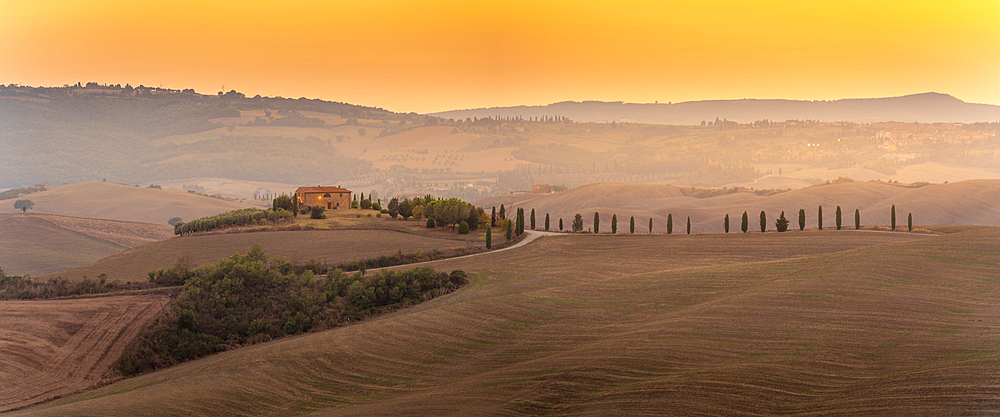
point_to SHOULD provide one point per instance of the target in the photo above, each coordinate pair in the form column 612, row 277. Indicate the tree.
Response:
column 782, row 223
column 532, row 219
column 430, row 223
column 463, row 228
column 650, row 225
column 597, row 222
column 24, row 205
column 725, row 223
column 670, row 223
column 503, row 213
column 763, row 221
column 546, row 222
column 614, row 223
column 317, row 212
column 631, row 224
column 820, row 218
column 857, row 219
column 418, row 212
column 520, row 222
column 802, row 219
column 838, row 218
column 689, row 225
column 493, row 217
column 173, row 221
column 561, row 225
column 909, row 222
column 508, row 231
column 394, row 207
column 746, row 222
column 405, row 209
column 893, row 215
column 578, row 223
column 282, row 202
column 489, row 238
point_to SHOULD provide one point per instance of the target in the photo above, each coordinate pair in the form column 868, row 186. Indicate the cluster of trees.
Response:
column 239, row 217
column 17, row 192
column 248, row 299
column 440, row 212
column 367, row 203
column 13, row 287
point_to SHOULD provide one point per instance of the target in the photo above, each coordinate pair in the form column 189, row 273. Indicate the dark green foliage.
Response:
column 489, row 238
column 520, row 222
column 365, row 204
column 631, row 224
column 597, row 222
column 174, row 220
column 28, row 288
column 430, row 223
column 317, row 212
column 614, row 223
column 802, row 219
column 909, row 222
column 546, row 222
column 725, row 223
column 282, row 202
column 239, row 217
column 509, row 232
column 689, row 225
column 578, row 223
column 782, row 223
column 857, row 219
column 493, row 217
column 670, row 223
column 819, row 218
column 405, row 208
column 247, row 299
column 24, row 205
column 650, row 225
column 561, row 224
column 17, row 192
column 463, row 228
column 746, row 223
column 839, row 219
column 393, row 207
column 176, row 275
column 893, row 217
column 763, row 221
column 532, row 219
column 503, row 212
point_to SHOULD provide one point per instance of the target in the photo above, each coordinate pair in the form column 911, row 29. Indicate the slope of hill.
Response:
column 57, row 347
column 757, row 324
column 967, row 202
column 103, row 200
column 926, row 107
column 39, row 244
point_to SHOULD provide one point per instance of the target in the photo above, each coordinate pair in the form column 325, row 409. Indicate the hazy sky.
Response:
column 428, row 56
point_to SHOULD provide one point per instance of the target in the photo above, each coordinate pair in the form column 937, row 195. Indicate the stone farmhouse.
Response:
column 330, row 197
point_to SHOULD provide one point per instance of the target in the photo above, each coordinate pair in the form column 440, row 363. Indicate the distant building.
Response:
column 330, row 197
column 541, row 188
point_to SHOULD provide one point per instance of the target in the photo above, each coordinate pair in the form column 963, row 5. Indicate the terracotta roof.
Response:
column 321, row 189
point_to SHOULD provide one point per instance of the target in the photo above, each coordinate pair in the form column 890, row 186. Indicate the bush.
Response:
column 430, row 223
column 317, row 212
column 173, row 221
column 463, row 228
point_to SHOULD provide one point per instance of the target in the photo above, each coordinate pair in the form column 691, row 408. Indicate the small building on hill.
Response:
column 329, row 197
column 541, row 188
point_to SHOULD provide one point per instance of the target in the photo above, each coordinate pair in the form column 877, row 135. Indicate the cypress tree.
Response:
column 838, row 217
column 560, row 224
column 763, row 221
column 725, row 223
column 802, row 219
column 650, row 225
column 520, row 221
column 532, row 219
column 670, row 223
column 631, row 224
column 746, row 222
column 597, row 222
column 508, row 231
column 894, row 217
column 614, row 223
column 503, row 213
column 546, row 222
column 782, row 223
column 493, row 217
column 689, row 225
column 909, row 222
column 857, row 219
column 489, row 238
column 820, row 218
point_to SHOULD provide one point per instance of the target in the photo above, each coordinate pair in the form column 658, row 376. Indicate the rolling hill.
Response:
column 39, row 244
column 926, row 107
column 756, row 324
column 109, row 201
column 967, row 202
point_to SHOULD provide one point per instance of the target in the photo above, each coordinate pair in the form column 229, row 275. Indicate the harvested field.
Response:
column 54, row 348
column 757, row 324
column 331, row 246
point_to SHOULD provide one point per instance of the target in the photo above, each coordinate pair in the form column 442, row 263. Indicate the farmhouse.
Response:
column 329, row 197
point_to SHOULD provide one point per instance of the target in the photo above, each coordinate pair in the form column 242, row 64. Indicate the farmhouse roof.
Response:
column 322, row 189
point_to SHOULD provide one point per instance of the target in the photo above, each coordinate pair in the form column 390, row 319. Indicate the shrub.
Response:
column 463, row 228
column 173, row 221
column 430, row 223
column 317, row 212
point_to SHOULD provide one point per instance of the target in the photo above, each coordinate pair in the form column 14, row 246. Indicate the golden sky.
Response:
column 426, row 56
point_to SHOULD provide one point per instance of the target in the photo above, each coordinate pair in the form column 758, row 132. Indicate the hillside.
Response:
column 966, row 202
column 104, row 200
column 57, row 347
column 758, row 324
column 39, row 244
column 926, row 108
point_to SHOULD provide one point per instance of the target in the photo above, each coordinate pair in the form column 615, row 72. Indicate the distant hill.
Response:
column 104, row 200
column 926, row 107
column 966, row 202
